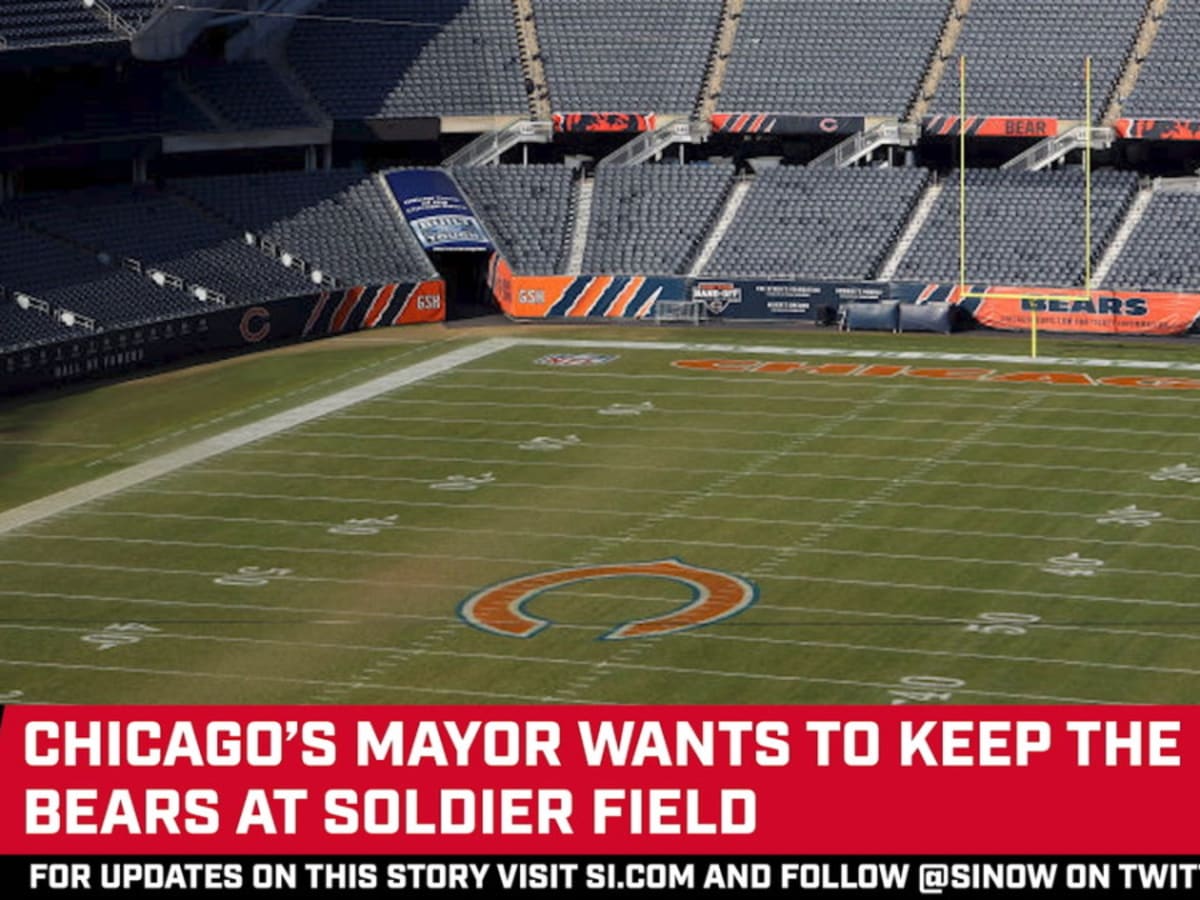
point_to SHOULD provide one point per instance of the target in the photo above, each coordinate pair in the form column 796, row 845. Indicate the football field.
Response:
column 536, row 519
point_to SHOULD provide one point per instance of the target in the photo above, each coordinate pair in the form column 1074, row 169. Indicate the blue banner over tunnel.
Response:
column 436, row 210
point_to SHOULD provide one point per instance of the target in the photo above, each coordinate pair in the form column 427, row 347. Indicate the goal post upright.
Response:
column 962, row 177
column 1087, row 178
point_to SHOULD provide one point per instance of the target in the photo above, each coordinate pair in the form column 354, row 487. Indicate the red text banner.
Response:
column 902, row 779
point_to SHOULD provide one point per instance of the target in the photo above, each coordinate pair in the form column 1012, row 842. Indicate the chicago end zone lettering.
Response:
column 857, row 370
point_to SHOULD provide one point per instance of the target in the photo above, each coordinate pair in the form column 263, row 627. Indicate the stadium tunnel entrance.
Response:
column 465, row 274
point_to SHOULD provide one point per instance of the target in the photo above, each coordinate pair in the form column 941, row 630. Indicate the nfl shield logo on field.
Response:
column 575, row 359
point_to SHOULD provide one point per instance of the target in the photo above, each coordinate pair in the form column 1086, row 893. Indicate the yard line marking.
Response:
column 1107, row 409
column 426, row 647
column 238, row 437
column 746, row 451
column 523, row 486
column 525, row 660
column 1076, row 406
column 558, row 422
column 579, row 593
column 666, row 515
column 917, row 557
column 275, row 679
column 953, row 654
column 802, row 381
column 693, row 448
column 641, row 468
column 841, row 582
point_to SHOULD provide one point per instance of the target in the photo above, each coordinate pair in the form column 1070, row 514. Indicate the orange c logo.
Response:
column 499, row 609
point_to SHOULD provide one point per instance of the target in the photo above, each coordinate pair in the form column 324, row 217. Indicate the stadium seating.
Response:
column 67, row 277
column 42, row 23
column 653, row 219
column 1022, row 227
column 626, row 55
column 1166, row 86
column 817, row 223
column 1161, row 252
column 165, row 233
column 526, row 210
column 831, row 57
column 248, row 95
column 1026, row 57
column 462, row 59
column 25, row 328
column 341, row 221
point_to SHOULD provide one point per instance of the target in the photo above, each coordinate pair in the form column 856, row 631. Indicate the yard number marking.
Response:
column 251, row 576
column 119, row 635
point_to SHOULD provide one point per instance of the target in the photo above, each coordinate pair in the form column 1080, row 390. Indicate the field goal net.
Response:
column 691, row 311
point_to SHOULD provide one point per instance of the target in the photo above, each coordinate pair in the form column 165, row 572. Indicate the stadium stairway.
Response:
column 733, row 202
column 714, row 79
column 584, row 190
column 1133, row 217
column 940, row 60
column 920, row 215
column 1147, row 34
column 530, row 46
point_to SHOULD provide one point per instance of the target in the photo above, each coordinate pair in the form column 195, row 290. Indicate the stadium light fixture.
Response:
column 158, row 278
column 287, row 259
column 88, row 4
column 317, row 276
column 23, row 301
column 200, row 293
column 249, row 238
column 67, row 318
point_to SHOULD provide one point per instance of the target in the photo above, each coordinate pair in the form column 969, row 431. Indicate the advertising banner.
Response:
column 903, row 799
column 765, row 299
column 1158, row 129
column 785, row 124
column 436, row 210
column 604, row 122
column 1034, row 127
column 579, row 296
column 1073, row 311
column 223, row 328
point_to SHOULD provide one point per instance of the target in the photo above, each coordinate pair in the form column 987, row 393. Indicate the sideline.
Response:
column 67, row 499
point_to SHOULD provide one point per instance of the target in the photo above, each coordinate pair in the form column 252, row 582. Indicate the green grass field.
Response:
column 911, row 539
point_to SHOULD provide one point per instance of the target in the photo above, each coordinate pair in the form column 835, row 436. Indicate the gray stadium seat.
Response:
column 1022, row 227
column 818, row 223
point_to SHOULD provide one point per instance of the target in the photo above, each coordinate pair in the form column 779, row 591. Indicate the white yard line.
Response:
column 522, row 486
column 396, row 436
column 813, row 398
column 689, row 516
column 627, row 425
column 694, row 449
column 641, row 668
column 514, row 561
column 694, row 470
column 802, row 613
column 426, row 646
column 87, row 492
column 807, row 383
